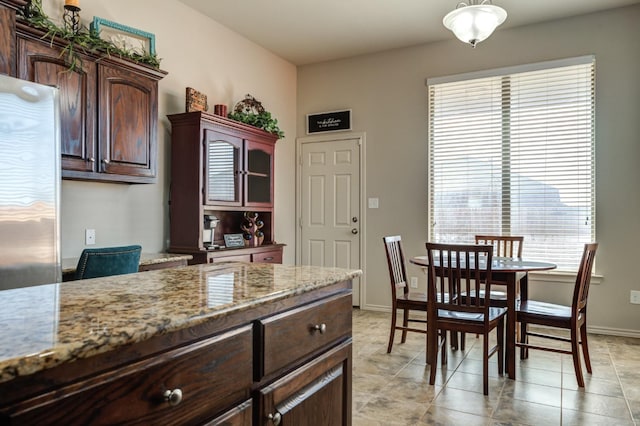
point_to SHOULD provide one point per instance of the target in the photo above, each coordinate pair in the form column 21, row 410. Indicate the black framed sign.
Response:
column 329, row 121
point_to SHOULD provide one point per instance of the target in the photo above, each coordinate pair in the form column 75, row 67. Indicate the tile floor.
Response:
column 393, row 389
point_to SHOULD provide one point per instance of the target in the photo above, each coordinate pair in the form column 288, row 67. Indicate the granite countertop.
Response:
column 48, row 325
column 69, row 264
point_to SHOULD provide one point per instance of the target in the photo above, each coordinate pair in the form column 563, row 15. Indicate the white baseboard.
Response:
column 607, row 331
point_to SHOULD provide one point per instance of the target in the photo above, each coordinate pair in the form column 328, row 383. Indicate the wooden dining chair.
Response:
column 572, row 318
column 401, row 297
column 503, row 246
column 452, row 269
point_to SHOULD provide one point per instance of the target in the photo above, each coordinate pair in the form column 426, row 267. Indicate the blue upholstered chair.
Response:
column 103, row 262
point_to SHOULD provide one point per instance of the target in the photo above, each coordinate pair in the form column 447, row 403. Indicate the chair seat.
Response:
column 494, row 313
column 413, row 297
column 545, row 310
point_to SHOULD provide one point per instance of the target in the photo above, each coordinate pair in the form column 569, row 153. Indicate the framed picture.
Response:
column 124, row 37
column 233, row 240
column 331, row 121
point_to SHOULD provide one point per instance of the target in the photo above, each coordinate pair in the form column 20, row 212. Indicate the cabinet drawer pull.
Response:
column 91, row 160
column 275, row 418
column 268, row 258
column 320, row 327
column 173, row 397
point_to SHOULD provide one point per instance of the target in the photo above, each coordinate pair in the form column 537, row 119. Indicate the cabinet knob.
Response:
column 105, row 161
column 275, row 418
column 173, row 397
column 91, row 160
column 320, row 327
column 354, row 231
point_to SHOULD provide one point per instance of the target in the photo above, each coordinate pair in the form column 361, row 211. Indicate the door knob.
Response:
column 354, row 219
column 354, row 231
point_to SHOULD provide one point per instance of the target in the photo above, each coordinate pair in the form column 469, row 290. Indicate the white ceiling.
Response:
column 309, row 31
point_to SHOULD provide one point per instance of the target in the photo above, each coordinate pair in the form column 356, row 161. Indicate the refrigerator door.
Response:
column 29, row 184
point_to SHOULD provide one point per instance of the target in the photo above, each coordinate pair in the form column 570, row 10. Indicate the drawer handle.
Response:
column 275, row 418
column 320, row 327
column 173, row 397
column 268, row 258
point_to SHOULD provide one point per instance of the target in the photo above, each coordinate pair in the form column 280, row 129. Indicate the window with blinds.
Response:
column 511, row 152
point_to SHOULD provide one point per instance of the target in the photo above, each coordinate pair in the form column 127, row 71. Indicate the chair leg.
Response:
column 485, row 364
column 501, row 348
column 432, row 353
column 524, row 352
column 462, row 339
column 444, row 346
column 454, row 340
column 393, row 330
column 405, row 324
column 575, row 352
column 585, row 346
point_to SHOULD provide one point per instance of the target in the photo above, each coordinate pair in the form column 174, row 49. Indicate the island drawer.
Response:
column 293, row 335
column 186, row 385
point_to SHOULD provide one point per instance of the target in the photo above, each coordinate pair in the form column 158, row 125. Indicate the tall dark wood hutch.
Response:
column 220, row 168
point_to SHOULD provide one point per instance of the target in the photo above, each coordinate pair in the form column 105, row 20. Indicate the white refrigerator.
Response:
column 29, row 184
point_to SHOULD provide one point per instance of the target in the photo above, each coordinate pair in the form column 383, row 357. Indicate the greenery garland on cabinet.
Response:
column 250, row 111
column 84, row 40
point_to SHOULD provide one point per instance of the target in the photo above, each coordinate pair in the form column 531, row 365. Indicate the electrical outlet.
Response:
column 635, row 297
column 89, row 236
column 414, row 282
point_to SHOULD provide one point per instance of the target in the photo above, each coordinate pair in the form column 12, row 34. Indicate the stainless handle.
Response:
column 173, row 397
column 354, row 231
column 105, row 161
column 320, row 327
column 275, row 418
column 91, row 160
column 268, row 258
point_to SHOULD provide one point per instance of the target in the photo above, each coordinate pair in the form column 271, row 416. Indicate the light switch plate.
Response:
column 635, row 297
column 373, row 203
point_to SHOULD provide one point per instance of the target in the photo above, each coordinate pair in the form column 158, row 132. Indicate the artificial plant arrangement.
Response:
column 84, row 39
column 250, row 111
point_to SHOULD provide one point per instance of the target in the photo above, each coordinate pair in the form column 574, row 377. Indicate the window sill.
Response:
column 561, row 277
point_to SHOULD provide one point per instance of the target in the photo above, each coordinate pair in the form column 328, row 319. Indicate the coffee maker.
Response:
column 208, row 231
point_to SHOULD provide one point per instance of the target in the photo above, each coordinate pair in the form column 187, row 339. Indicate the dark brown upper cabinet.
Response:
column 108, row 109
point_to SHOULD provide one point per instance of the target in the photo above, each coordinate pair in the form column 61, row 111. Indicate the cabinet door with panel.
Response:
column 127, row 122
column 46, row 64
column 223, row 155
column 258, row 174
column 319, row 392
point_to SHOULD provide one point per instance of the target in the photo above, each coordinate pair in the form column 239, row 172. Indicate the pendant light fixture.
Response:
column 475, row 21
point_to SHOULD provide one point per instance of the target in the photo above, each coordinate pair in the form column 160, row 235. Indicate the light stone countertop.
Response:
column 48, row 325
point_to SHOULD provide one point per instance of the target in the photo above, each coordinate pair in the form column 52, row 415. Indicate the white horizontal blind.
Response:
column 513, row 154
column 221, row 177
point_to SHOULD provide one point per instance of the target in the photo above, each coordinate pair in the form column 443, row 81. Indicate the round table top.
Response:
column 502, row 264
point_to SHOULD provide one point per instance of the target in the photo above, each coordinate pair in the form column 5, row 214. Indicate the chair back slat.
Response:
column 503, row 245
column 583, row 278
column 455, row 269
column 396, row 263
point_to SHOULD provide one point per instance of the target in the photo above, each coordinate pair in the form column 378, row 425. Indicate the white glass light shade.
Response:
column 472, row 24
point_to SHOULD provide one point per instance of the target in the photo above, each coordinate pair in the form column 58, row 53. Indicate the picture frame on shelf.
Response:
column 233, row 240
column 125, row 37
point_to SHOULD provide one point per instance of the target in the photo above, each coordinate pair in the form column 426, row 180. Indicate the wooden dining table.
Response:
column 514, row 272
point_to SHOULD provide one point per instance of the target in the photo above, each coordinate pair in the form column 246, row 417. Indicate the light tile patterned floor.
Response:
column 393, row 389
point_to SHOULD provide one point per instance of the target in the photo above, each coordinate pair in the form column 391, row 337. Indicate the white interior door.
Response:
column 330, row 222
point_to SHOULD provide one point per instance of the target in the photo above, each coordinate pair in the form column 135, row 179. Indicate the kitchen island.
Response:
column 235, row 342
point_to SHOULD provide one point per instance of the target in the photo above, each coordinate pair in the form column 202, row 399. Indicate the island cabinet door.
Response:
column 316, row 394
column 189, row 385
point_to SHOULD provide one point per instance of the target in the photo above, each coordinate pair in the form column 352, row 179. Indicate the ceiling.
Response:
column 310, row 31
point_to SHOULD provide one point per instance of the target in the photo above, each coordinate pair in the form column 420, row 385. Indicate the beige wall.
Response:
column 387, row 94
column 197, row 52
